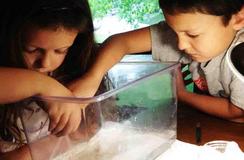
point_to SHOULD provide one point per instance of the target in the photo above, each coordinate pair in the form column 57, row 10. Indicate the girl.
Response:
column 44, row 45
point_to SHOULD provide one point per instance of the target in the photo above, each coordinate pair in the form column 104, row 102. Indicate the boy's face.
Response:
column 45, row 49
column 201, row 36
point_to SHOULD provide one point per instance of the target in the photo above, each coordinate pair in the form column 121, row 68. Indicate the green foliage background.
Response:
column 133, row 11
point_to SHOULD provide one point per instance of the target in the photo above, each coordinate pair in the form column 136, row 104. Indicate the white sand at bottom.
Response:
column 117, row 141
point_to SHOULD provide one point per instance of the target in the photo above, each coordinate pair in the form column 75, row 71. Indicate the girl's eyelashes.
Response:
column 29, row 49
column 65, row 51
column 33, row 50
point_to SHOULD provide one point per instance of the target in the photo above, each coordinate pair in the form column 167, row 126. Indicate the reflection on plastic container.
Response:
column 132, row 118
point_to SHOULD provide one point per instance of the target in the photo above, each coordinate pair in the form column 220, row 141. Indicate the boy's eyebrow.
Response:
column 195, row 29
column 190, row 30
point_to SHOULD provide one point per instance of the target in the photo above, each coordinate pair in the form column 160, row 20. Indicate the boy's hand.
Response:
column 65, row 118
column 180, row 86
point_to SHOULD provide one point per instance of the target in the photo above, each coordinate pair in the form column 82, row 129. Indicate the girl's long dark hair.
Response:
column 17, row 18
column 69, row 14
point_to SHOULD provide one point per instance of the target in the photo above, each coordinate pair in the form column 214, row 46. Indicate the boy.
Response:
column 195, row 32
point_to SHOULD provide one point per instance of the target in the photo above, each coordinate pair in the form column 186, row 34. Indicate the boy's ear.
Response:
column 238, row 20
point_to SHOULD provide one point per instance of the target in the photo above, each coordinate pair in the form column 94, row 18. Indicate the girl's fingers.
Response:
column 54, row 120
column 72, row 125
column 61, row 124
column 68, row 128
column 64, row 131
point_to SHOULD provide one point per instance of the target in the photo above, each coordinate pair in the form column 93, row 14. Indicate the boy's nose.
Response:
column 183, row 44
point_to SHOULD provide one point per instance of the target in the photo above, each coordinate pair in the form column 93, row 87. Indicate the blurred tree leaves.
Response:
column 133, row 11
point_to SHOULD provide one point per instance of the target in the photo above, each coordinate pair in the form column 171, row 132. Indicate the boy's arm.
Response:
column 110, row 53
column 217, row 106
column 220, row 107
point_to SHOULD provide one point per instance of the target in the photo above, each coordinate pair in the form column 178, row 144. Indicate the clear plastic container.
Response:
column 132, row 118
column 218, row 145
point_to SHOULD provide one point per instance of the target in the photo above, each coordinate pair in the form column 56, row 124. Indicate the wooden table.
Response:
column 212, row 128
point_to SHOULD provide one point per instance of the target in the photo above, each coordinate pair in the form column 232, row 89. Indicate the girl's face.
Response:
column 45, row 49
column 201, row 36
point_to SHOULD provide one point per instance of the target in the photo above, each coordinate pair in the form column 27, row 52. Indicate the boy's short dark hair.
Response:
column 224, row 8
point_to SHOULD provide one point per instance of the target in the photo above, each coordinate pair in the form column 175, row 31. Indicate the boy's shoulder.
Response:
column 164, row 44
column 161, row 26
column 163, row 33
column 239, row 36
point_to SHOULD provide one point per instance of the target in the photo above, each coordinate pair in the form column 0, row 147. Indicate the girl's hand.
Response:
column 64, row 117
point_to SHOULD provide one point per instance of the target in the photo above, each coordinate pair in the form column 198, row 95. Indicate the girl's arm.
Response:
column 42, row 149
column 22, row 153
column 110, row 53
column 18, row 84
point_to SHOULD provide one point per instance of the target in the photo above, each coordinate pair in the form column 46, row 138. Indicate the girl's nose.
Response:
column 45, row 61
